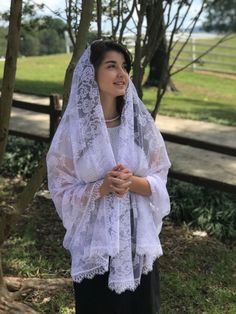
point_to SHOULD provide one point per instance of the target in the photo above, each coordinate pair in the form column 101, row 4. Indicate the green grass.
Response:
column 200, row 97
column 41, row 75
column 197, row 272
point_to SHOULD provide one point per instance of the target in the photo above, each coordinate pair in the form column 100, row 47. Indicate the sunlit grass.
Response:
column 200, row 97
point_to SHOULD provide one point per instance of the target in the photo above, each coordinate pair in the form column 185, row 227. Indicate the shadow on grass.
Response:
column 196, row 273
column 42, row 88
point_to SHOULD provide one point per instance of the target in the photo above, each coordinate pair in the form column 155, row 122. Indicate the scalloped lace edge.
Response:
column 89, row 274
column 120, row 287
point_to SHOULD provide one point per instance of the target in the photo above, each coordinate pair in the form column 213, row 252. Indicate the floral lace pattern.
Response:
column 107, row 233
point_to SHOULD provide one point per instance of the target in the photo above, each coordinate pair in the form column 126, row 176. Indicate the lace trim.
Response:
column 150, row 250
column 89, row 274
column 120, row 287
column 96, row 190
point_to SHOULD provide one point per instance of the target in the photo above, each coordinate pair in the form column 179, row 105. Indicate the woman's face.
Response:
column 111, row 75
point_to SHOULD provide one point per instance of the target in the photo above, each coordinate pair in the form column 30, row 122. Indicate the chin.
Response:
column 121, row 93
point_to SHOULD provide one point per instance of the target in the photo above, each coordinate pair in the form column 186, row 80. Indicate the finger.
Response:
column 119, row 189
column 117, row 181
column 120, row 183
column 125, row 176
column 118, row 167
column 125, row 185
column 126, row 171
column 113, row 173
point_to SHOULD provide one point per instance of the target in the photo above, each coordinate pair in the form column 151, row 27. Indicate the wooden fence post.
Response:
column 193, row 53
column 55, row 113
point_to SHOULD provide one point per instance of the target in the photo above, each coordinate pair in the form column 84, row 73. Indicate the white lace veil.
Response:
column 109, row 233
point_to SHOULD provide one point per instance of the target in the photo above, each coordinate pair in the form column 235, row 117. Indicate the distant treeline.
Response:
column 38, row 37
column 42, row 36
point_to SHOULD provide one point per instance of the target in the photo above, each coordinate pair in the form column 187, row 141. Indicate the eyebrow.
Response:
column 112, row 61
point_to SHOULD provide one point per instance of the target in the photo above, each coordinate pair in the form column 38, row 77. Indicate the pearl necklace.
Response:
column 111, row 120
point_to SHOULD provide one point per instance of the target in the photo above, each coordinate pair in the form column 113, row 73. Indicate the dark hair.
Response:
column 98, row 50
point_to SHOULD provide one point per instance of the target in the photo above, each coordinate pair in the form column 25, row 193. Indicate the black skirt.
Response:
column 92, row 296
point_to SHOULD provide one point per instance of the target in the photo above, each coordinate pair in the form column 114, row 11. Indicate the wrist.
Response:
column 103, row 189
column 132, row 180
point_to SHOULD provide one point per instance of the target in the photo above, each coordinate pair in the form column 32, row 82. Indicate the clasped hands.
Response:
column 117, row 181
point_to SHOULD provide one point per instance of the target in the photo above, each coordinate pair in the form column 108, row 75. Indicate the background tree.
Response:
column 99, row 18
column 164, row 16
column 3, row 41
column 9, row 74
column 9, row 214
column 44, row 35
column 40, row 35
column 5, row 105
column 221, row 16
column 81, row 41
column 29, row 44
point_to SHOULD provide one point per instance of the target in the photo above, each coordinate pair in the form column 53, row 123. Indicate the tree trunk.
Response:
column 40, row 173
column 25, row 198
column 158, row 60
column 156, row 66
column 7, row 216
column 9, row 74
column 81, row 40
column 137, row 66
column 99, row 19
column 6, row 101
column 3, row 287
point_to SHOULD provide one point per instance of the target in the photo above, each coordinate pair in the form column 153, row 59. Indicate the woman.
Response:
column 107, row 171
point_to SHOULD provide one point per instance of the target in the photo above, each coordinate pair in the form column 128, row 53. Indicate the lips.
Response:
column 120, row 83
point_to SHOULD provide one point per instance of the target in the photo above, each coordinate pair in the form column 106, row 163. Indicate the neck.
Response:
column 108, row 106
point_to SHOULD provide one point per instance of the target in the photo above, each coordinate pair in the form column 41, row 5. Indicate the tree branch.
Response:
column 189, row 35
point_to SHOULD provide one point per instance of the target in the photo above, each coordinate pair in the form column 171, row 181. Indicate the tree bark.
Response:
column 156, row 66
column 137, row 66
column 160, row 50
column 8, row 84
column 99, row 19
column 81, row 40
column 9, row 74
column 3, row 287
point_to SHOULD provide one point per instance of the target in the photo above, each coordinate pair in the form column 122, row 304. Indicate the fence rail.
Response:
column 204, row 61
column 215, row 60
column 53, row 110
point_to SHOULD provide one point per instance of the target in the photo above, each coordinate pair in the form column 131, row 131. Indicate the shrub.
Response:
column 22, row 156
column 204, row 208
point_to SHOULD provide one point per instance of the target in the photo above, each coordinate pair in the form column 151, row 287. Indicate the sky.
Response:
column 60, row 5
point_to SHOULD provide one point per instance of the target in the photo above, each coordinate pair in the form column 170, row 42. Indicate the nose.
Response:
column 121, row 72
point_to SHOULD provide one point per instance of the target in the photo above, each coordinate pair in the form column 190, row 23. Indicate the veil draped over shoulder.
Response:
column 119, row 235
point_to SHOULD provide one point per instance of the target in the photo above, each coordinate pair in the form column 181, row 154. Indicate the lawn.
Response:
column 200, row 96
column 197, row 272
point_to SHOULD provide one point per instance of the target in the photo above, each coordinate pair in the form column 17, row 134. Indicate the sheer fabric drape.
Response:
column 109, row 233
